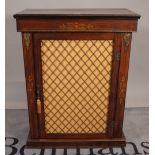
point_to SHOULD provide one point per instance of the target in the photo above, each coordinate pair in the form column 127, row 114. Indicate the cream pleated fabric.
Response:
column 76, row 85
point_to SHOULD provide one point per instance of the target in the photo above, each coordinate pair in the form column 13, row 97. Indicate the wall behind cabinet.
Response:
column 137, row 92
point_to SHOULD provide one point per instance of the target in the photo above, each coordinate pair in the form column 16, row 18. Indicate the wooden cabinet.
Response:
column 76, row 70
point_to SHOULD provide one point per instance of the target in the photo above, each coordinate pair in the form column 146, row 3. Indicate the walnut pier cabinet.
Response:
column 76, row 69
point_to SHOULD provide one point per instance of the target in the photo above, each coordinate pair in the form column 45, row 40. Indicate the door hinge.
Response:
column 117, row 56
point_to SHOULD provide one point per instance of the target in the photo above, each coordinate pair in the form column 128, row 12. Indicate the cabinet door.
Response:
column 76, row 79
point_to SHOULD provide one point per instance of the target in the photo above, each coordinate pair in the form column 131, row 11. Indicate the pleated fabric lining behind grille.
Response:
column 76, row 84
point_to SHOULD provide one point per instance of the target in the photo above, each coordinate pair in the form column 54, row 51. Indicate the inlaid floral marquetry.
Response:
column 127, row 39
column 27, row 39
column 122, row 89
column 77, row 26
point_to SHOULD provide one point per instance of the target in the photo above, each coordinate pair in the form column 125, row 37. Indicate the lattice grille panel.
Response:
column 76, row 85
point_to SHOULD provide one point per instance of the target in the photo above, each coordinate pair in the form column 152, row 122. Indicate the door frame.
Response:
column 116, row 37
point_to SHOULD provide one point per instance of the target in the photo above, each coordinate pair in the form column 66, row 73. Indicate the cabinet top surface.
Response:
column 103, row 13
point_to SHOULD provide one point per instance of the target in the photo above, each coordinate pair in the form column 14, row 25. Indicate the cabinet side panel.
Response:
column 114, row 83
column 122, row 83
column 30, row 82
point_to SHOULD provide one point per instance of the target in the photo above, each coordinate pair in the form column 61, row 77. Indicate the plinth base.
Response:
column 75, row 143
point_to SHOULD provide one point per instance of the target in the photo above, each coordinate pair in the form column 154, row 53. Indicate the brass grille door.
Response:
column 75, row 79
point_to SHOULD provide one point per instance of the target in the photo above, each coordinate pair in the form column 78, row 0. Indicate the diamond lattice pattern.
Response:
column 76, row 84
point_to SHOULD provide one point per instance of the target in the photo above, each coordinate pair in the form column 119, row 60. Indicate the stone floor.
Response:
column 136, row 129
